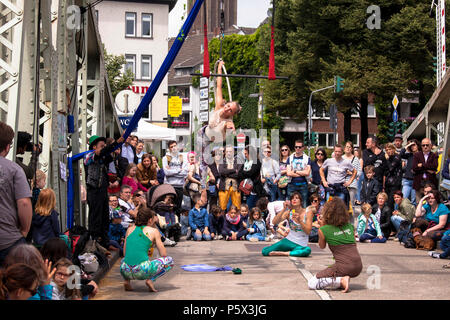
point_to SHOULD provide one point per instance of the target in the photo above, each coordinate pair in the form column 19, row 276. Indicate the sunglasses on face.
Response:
column 315, row 201
column 298, row 147
column 284, row 150
column 319, row 154
column 425, row 145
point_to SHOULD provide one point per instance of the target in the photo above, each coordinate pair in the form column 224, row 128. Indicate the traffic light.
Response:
column 314, row 138
column 392, row 130
column 435, row 64
column 338, row 84
column 306, row 138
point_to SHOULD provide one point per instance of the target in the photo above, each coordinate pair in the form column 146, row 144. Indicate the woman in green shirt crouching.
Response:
column 138, row 249
column 340, row 235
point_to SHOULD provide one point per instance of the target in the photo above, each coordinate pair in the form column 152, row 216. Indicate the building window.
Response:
column 147, row 25
column 130, row 63
column 355, row 139
column 148, row 112
column 96, row 16
column 371, row 113
column 326, row 140
column 146, row 67
column 130, row 24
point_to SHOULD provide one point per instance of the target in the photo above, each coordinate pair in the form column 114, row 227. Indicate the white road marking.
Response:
column 308, row 275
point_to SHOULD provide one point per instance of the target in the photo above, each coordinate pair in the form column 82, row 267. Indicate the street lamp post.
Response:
column 310, row 115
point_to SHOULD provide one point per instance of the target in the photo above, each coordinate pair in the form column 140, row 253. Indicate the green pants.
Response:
column 287, row 245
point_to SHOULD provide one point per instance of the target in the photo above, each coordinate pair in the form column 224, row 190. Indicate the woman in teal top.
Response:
column 138, row 248
column 339, row 234
column 435, row 213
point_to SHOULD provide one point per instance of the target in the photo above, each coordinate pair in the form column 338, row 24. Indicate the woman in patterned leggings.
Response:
column 300, row 223
column 139, row 240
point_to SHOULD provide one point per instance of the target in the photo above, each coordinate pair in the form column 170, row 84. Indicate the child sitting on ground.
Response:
column 257, row 226
column 55, row 249
column 113, row 201
column 45, row 220
column 169, row 223
column 233, row 228
column 61, row 289
column 117, row 232
column 368, row 227
column 216, row 221
column 337, row 231
column 199, row 220
column 244, row 211
column 184, row 221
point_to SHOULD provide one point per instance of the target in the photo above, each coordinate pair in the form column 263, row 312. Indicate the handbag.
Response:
column 283, row 182
column 246, row 186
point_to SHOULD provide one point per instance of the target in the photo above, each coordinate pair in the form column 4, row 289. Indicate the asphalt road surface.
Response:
column 390, row 272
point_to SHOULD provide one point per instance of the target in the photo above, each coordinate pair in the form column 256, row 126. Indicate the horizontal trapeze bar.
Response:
column 238, row 76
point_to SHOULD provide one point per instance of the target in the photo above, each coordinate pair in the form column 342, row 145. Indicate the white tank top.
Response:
column 296, row 234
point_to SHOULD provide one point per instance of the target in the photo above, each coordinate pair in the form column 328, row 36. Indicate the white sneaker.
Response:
column 219, row 237
column 434, row 254
column 253, row 239
column 268, row 239
column 169, row 242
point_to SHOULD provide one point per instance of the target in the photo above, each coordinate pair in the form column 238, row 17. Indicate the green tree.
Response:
column 317, row 40
column 118, row 80
column 241, row 56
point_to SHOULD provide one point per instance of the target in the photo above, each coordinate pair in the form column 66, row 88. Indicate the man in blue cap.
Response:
column 97, row 181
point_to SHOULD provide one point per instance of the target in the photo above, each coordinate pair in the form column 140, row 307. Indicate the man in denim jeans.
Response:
column 338, row 169
column 298, row 168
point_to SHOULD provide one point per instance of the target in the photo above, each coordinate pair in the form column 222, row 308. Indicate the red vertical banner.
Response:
column 272, row 56
column 206, row 70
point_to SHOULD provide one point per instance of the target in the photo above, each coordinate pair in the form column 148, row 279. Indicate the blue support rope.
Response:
column 145, row 102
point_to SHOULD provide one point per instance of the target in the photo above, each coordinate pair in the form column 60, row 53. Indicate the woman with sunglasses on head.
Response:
column 435, row 213
column 270, row 174
column 285, row 152
column 319, row 158
column 350, row 156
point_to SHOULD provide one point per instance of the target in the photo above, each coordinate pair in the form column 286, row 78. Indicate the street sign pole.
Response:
column 310, row 115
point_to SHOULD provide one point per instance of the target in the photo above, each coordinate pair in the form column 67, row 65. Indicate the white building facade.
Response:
column 139, row 30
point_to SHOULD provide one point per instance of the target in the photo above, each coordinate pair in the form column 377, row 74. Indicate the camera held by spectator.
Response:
column 24, row 143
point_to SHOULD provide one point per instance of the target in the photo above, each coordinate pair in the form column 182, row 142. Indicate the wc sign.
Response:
column 125, row 122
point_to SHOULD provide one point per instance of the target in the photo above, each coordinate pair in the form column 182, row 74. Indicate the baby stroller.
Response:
column 162, row 199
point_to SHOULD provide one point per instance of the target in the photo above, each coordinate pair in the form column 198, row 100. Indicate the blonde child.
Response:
column 257, row 226
column 337, row 231
column 38, row 184
column 368, row 227
column 61, row 291
column 45, row 220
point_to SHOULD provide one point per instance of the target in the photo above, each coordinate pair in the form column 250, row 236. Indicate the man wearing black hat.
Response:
column 97, row 182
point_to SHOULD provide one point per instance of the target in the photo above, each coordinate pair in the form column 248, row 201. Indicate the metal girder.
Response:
column 11, row 45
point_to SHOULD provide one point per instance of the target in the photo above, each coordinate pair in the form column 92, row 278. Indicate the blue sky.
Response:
column 250, row 14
